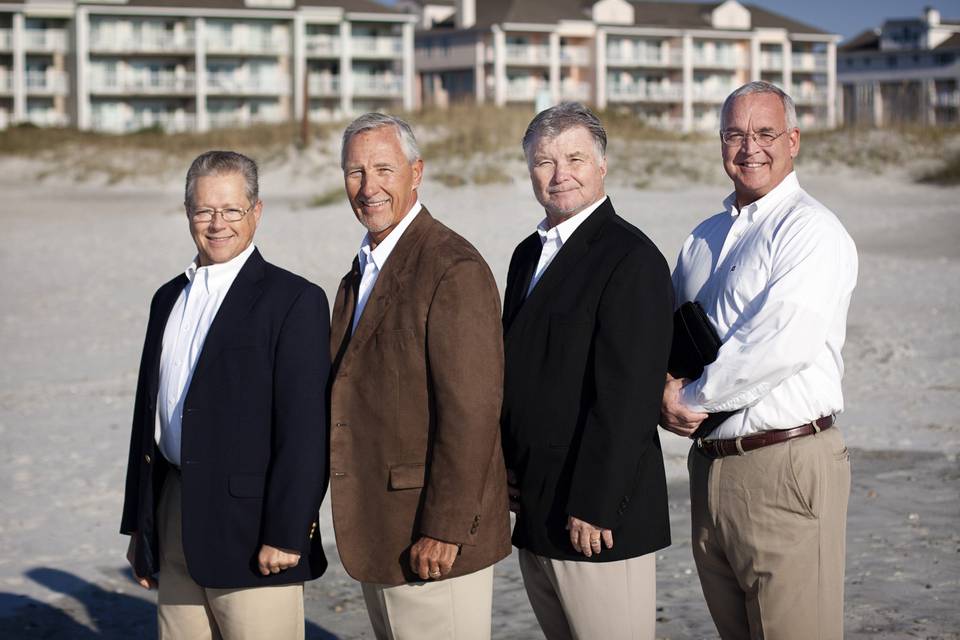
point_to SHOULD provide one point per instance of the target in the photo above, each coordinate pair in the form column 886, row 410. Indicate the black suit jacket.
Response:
column 586, row 357
column 253, row 450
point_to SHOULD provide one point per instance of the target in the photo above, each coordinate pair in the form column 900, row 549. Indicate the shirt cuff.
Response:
column 688, row 396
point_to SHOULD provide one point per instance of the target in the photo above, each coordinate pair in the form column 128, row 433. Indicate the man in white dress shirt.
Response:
column 769, row 485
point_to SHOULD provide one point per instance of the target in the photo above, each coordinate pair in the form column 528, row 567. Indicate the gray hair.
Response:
column 373, row 120
column 219, row 163
column 551, row 122
column 762, row 86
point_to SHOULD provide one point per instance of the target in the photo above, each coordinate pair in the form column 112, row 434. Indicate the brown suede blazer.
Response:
column 415, row 404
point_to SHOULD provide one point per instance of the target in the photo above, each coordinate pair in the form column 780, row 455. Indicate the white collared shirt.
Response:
column 183, row 338
column 373, row 260
column 775, row 278
column 553, row 238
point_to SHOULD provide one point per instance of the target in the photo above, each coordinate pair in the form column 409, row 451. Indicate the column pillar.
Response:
column 831, row 85
column 299, row 67
column 200, row 64
column 499, row 66
column 346, row 68
column 408, row 69
column 19, row 69
column 81, row 46
column 600, row 80
column 687, row 83
column 554, row 76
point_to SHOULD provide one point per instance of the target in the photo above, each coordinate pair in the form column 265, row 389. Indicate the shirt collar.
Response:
column 382, row 251
column 565, row 229
column 216, row 276
column 765, row 204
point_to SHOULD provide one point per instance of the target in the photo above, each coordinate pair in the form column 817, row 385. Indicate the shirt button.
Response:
column 147, row 458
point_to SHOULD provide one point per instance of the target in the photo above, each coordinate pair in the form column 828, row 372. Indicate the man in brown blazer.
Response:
column 418, row 484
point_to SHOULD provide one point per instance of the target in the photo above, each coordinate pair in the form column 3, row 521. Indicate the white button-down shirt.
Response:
column 373, row 260
column 183, row 338
column 775, row 278
column 553, row 238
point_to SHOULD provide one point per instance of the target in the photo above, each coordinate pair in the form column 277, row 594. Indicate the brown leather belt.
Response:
column 739, row 446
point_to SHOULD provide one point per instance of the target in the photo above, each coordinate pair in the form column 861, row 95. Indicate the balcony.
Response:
column 248, row 44
column 644, row 58
column 6, row 83
column 638, row 92
column 526, row 89
column 244, row 84
column 809, row 95
column 377, row 86
column 322, row 44
column 48, row 118
column 321, row 86
column 771, row 61
column 46, row 82
column 570, row 90
column 376, row 46
column 575, row 55
column 45, row 40
column 809, row 61
column 103, row 41
column 711, row 93
column 242, row 118
column 528, row 54
column 947, row 99
column 154, row 83
column 169, row 121
column 6, row 39
column 718, row 60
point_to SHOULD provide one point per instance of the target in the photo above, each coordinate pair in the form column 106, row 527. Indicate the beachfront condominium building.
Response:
column 670, row 63
column 191, row 65
column 907, row 71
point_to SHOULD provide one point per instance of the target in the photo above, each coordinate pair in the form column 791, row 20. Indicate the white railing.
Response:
column 240, row 118
column 948, row 99
column 575, row 55
column 50, row 81
column 323, row 85
column 648, row 58
column 169, row 121
column 322, row 44
column 389, row 46
column 45, row 40
column 263, row 43
column 374, row 85
column 148, row 83
column 150, row 41
column 809, row 61
column 771, row 60
column 649, row 92
column 48, row 118
column 526, row 89
column 6, row 39
column 575, row 91
column 720, row 59
column 528, row 54
column 809, row 95
column 711, row 93
column 6, row 83
column 233, row 83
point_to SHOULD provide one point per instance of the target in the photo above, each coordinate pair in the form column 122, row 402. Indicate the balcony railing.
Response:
column 169, row 121
column 809, row 61
column 48, row 118
column 536, row 54
column 263, row 43
column 46, row 81
column 575, row 55
column 232, row 83
column 373, row 85
column 711, row 93
column 644, row 92
column 771, row 60
column 947, row 99
column 6, row 83
column 720, row 59
column 241, row 118
column 376, row 46
column 525, row 89
column 647, row 58
column 149, row 42
column 809, row 95
column 320, row 85
column 6, row 39
column 49, row 40
column 322, row 45
column 164, row 82
column 575, row 90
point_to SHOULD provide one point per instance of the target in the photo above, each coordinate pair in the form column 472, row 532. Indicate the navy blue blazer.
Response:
column 253, row 451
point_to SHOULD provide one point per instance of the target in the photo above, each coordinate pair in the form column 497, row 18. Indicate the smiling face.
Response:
column 219, row 241
column 757, row 170
column 381, row 182
column 567, row 173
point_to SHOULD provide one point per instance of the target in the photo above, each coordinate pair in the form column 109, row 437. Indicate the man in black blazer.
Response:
column 587, row 321
column 227, row 463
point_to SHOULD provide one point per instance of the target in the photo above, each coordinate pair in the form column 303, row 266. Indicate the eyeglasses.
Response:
column 734, row 138
column 230, row 214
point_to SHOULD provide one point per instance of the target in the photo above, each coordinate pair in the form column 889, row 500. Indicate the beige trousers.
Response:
column 454, row 609
column 589, row 600
column 187, row 611
column 769, row 538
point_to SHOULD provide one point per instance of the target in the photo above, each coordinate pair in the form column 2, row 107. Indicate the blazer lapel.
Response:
column 527, row 258
column 164, row 306
column 343, row 310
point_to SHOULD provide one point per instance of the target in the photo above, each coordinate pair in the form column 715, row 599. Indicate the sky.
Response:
column 848, row 17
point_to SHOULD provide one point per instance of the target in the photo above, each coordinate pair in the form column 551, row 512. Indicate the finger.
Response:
column 595, row 546
column 575, row 539
column 264, row 569
column 424, row 568
column 607, row 536
column 143, row 582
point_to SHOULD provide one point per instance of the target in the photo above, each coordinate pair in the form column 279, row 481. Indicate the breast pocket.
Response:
column 745, row 284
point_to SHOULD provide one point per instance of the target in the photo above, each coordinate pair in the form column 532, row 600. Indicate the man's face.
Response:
column 220, row 241
column 381, row 183
column 756, row 170
column 567, row 173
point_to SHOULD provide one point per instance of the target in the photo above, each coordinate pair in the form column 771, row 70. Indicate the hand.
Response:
column 145, row 582
column 513, row 491
column 674, row 415
column 273, row 560
column 431, row 558
column 585, row 537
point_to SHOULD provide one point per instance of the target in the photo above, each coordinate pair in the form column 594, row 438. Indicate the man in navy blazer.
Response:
column 227, row 465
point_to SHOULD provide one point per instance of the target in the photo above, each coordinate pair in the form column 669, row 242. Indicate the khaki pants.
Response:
column 454, row 609
column 187, row 611
column 769, row 538
column 590, row 600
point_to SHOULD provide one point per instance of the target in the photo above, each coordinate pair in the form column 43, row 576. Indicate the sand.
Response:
column 82, row 259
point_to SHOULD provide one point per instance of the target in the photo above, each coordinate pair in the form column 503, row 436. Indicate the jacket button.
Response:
column 341, row 424
column 147, row 458
column 338, row 474
column 473, row 529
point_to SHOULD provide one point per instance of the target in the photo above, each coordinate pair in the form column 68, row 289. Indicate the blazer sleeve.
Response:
column 465, row 360
column 632, row 344
column 297, row 477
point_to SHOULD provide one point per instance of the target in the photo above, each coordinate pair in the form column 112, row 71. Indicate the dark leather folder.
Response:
column 695, row 345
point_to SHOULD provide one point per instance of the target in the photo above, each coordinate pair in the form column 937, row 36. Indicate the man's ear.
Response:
column 417, row 167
